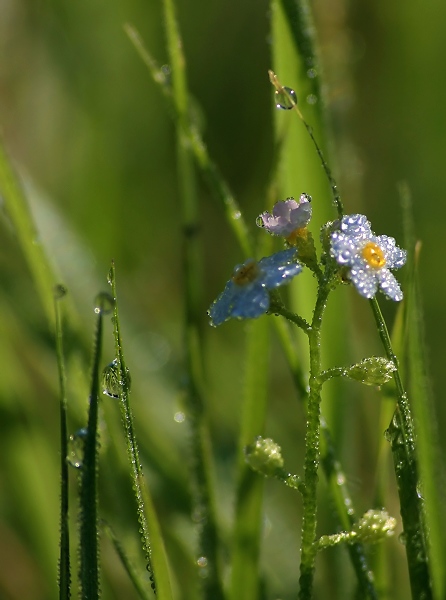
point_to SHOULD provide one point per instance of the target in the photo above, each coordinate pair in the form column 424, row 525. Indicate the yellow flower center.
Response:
column 373, row 255
column 246, row 273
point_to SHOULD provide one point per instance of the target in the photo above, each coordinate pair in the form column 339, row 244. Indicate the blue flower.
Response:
column 367, row 257
column 246, row 294
column 288, row 217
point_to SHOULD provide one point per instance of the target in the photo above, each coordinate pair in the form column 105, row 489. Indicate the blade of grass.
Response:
column 431, row 468
column 210, row 171
column 88, row 493
column 64, row 559
column 28, row 237
column 402, row 439
column 203, row 493
column 152, row 541
column 140, row 586
column 381, row 556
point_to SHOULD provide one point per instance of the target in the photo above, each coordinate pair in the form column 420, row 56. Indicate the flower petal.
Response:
column 389, row 285
column 365, row 281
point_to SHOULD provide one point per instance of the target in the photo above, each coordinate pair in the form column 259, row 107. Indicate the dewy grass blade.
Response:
column 402, row 439
column 88, row 494
column 64, row 560
column 432, row 472
column 152, row 541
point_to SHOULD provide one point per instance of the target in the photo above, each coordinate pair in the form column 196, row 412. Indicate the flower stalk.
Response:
column 312, row 449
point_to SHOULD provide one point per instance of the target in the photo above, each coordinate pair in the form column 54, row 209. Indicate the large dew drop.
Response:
column 286, row 98
column 112, row 383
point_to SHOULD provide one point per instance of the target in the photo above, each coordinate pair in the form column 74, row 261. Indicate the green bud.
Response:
column 264, row 456
column 372, row 371
column 374, row 526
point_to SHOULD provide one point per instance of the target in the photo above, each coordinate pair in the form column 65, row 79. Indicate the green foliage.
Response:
column 94, row 177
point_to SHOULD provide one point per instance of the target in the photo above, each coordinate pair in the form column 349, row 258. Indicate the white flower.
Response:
column 367, row 257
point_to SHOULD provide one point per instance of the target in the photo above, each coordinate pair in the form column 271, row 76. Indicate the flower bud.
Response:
column 264, row 456
column 375, row 370
column 374, row 526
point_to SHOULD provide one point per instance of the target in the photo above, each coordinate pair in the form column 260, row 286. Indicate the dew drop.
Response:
column 286, row 98
column 311, row 99
column 311, row 73
column 112, row 383
column 110, row 276
column 340, row 479
column 104, row 304
column 203, row 571
column 259, row 221
column 202, row 561
column 237, row 215
column 166, row 70
column 402, row 538
column 179, row 417
column 76, row 442
column 59, row 291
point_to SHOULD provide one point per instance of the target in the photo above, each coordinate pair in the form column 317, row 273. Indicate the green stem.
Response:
column 88, row 495
column 332, row 468
column 312, row 450
column 402, row 439
column 203, row 496
column 276, row 307
column 64, row 558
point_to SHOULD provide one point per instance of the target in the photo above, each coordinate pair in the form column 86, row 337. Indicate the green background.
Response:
column 94, row 145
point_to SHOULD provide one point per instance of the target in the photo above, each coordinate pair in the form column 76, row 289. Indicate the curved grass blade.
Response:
column 152, row 541
column 210, row 171
column 140, row 587
column 20, row 214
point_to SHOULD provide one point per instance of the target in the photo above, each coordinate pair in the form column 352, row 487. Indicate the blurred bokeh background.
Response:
column 93, row 142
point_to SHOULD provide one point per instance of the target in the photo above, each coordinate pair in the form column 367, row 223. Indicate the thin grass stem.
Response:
column 64, row 558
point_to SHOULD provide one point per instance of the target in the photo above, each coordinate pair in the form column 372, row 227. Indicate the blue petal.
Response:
column 277, row 259
column 251, row 302
column 277, row 269
column 221, row 308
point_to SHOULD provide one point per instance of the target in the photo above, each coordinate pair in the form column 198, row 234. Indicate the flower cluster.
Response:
column 364, row 258
column 367, row 257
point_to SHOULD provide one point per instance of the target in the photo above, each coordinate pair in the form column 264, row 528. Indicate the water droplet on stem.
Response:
column 112, row 382
column 286, row 98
